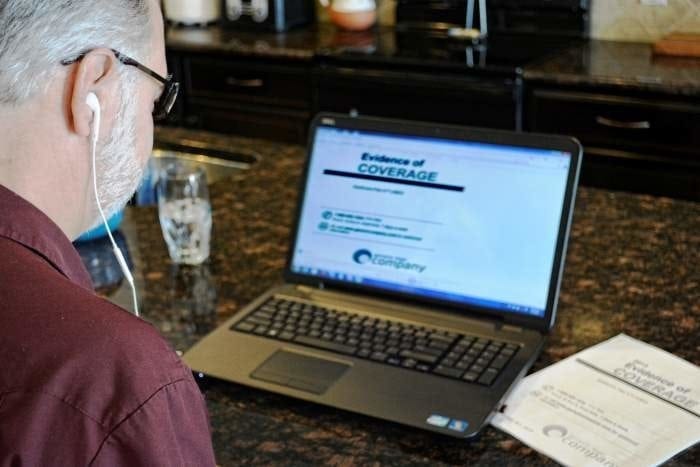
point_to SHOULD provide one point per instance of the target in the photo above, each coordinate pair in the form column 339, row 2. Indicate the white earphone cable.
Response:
column 117, row 252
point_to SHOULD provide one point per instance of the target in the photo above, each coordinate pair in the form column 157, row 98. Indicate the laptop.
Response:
column 422, row 277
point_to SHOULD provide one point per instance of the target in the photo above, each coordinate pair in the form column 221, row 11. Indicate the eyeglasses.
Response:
column 167, row 98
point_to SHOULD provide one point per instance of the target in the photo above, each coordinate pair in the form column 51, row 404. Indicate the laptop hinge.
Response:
column 307, row 291
column 495, row 323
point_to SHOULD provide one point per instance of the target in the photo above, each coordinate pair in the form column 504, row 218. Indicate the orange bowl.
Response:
column 353, row 20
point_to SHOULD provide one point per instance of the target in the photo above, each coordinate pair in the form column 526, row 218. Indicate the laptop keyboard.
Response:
column 457, row 356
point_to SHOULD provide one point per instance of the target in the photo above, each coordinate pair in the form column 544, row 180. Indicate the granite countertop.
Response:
column 620, row 65
column 631, row 267
column 297, row 44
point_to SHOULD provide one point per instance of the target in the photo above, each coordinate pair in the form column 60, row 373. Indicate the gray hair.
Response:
column 35, row 35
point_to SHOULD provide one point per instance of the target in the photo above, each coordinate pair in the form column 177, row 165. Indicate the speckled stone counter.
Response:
column 620, row 65
column 298, row 44
column 632, row 267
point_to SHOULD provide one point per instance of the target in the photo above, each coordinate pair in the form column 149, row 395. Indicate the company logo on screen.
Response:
column 362, row 256
column 366, row 257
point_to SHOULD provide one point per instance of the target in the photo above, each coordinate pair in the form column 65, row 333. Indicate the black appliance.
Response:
column 267, row 15
column 555, row 17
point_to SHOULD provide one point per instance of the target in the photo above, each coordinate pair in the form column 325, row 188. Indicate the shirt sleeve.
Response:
column 170, row 429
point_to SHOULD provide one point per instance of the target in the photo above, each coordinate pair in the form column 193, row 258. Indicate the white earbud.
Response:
column 94, row 103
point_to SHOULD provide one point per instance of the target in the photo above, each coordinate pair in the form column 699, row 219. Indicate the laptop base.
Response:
column 425, row 401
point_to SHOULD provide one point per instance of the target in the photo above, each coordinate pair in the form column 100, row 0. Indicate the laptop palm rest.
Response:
column 302, row 372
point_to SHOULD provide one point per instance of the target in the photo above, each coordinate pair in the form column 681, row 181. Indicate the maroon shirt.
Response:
column 83, row 382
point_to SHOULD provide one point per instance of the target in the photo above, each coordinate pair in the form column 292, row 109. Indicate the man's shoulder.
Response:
column 60, row 338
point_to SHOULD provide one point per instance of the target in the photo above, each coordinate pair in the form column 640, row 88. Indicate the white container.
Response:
column 192, row 12
column 352, row 15
column 350, row 6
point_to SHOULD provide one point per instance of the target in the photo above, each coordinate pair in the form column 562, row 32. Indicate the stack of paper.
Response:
column 619, row 403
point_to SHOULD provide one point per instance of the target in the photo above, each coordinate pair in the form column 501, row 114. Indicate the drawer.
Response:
column 658, row 127
column 487, row 103
column 256, row 122
column 247, row 81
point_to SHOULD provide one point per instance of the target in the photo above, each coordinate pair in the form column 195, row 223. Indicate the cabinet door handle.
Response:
column 609, row 122
column 245, row 83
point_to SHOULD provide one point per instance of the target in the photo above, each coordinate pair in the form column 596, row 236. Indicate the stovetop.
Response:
column 499, row 53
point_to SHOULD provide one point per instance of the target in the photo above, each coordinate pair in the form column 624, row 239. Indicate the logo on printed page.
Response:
column 555, row 431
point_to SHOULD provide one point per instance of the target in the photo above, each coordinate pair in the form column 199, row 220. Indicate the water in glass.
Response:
column 185, row 213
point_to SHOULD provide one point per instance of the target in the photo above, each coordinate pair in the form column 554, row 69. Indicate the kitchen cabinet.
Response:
column 253, row 97
column 633, row 142
column 442, row 98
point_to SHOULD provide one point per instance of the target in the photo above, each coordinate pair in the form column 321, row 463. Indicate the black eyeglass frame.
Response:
column 167, row 99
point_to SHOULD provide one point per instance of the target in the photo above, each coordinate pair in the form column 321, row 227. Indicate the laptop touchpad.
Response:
column 303, row 372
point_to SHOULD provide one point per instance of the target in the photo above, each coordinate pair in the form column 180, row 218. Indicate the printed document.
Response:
column 619, row 403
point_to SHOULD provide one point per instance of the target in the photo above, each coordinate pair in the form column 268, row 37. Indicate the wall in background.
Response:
column 628, row 20
column 625, row 20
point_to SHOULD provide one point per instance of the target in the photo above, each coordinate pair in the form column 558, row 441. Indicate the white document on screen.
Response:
column 619, row 403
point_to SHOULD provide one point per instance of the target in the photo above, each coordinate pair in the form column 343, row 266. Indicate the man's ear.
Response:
column 96, row 72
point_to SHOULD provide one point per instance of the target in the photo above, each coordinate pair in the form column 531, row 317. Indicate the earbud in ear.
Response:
column 93, row 102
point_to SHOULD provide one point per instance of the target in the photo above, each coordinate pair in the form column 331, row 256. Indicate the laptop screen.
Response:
column 458, row 221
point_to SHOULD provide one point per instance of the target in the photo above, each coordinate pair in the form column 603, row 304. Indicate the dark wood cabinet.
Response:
column 632, row 142
column 265, row 122
column 276, row 100
column 249, row 82
column 442, row 98
column 250, row 97
column 646, row 127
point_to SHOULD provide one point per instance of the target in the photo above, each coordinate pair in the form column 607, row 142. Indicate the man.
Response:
column 82, row 382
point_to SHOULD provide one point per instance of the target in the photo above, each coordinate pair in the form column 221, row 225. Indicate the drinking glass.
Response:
column 184, row 211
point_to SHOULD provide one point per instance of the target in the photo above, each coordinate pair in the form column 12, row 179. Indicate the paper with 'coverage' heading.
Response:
column 619, row 403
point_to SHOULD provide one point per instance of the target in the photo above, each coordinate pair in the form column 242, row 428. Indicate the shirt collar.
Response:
column 23, row 223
